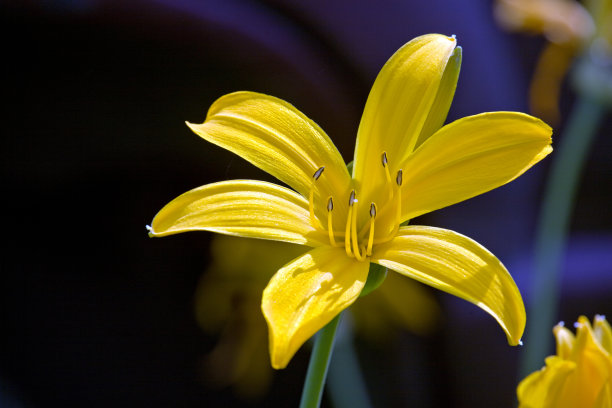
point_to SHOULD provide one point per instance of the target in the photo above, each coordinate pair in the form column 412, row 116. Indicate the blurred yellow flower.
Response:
column 227, row 304
column 405, row 164
column 580, row 375
column 569, row 27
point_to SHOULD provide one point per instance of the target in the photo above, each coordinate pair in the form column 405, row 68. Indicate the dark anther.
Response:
column 318, row 173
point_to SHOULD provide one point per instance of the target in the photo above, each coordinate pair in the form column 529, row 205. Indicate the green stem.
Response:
column 554, row 221
column 318, row 365
column 346, row 385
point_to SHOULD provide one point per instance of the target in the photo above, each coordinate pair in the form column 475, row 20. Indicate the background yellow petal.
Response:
column 460, row 266
column 246, row 208
column 604, row 399
column 471, row 156
column 542, row 389
column 398, row 107
column 603, row 333
column 306, row 294
column 276, row 137
column 593, row 368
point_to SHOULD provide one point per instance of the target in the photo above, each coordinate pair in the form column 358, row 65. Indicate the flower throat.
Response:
column 356, row 244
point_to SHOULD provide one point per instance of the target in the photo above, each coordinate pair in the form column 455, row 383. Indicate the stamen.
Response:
column 387, row 175
column 318, row 173
column 330, row 224
column 398, row 180
column 313, row 219
column 372, row 210
column 384, row 164
column 356, row 251
column 371, row 235
column 330, row 204
column 398, row 201
column 347, row 231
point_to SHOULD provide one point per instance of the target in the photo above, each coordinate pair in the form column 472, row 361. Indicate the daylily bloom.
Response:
column 405, row 165
column 580, row 375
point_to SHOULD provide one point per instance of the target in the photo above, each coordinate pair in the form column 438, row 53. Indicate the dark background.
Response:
column 96, row 94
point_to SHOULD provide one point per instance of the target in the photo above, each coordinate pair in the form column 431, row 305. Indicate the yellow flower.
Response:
column 570, row 28
column 560, row 21
column 405, row 165
column 227, row 302
column 580, row 375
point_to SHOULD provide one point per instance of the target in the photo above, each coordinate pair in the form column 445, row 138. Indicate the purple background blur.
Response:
column 96, row 314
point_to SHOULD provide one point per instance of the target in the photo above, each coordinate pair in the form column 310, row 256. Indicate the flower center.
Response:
column 358, row 242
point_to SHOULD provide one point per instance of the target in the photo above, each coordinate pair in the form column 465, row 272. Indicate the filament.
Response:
column 371, row 235
column 313, row 219
column 385, row 162
column 398, row 201
column 330, row 224
column 399, row 180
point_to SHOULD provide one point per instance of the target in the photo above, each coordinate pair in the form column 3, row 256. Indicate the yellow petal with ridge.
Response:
column 306, row 294
column 246, row 208
column 399, row 106
column 543, row 388
column 277, row 138
column 460, row 266
column 471, row 156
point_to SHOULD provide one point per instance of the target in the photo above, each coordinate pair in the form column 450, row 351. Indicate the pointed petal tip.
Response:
column 514, row 335
column 279, row 362
column 452, row 38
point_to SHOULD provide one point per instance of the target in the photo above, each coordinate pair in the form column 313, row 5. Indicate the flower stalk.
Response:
column 558, row 202
column 319, row 364
column 551, row 239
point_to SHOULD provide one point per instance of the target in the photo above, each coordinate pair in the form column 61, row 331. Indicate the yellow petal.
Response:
column 399, row 105
column 543, row 388
column 246, row 208
column 604, row 399
column 444, row 97
column 593, row 368
column 603, row 333
column 471, row 156
column 565, row 340
column 460, row 266
column 306, row 294
column 276, row 137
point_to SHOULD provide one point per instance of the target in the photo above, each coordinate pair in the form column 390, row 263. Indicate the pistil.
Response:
column 355, row 242
column 347, row 231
